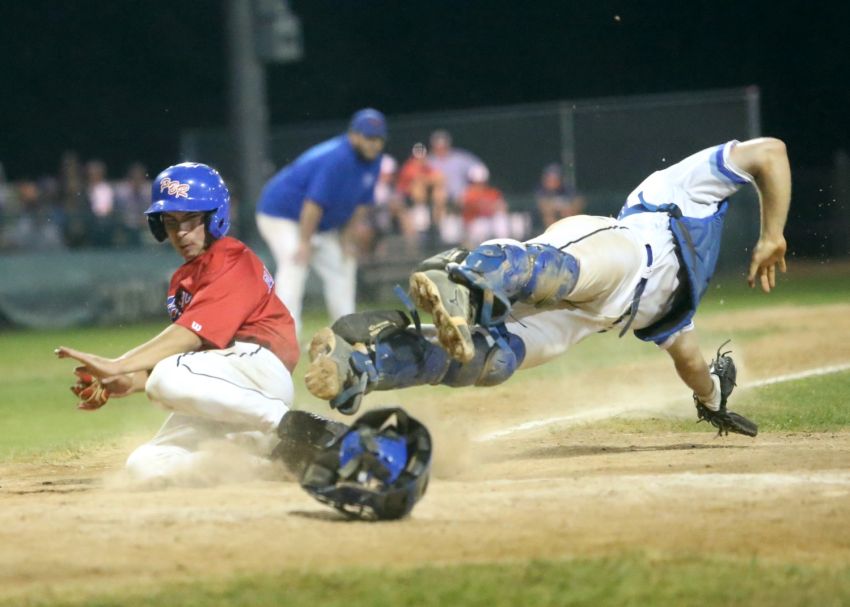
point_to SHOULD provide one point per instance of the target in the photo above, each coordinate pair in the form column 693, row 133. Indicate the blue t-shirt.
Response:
column 330, row 174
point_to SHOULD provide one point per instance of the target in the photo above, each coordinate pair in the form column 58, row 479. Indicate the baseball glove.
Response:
column 724, row 420
column 89, row 389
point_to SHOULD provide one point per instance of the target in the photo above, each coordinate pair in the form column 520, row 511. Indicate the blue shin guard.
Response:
column 404, row 358
column 507, row 273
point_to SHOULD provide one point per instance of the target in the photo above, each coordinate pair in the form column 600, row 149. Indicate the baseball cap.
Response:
column 370, row 123
column 478, row 173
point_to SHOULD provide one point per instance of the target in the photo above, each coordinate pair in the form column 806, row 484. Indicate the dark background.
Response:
column 119, row 80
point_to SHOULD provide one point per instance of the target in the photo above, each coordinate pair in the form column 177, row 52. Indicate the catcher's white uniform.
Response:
column 616, row 255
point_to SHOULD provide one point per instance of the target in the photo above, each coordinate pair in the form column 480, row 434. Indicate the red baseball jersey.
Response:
column 226, row 294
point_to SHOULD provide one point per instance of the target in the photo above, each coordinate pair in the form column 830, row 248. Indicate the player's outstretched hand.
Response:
column 97, row 366
column 767, row 255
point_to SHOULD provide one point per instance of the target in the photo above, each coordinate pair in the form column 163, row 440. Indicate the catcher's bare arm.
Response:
column 691, row 366
column 766, row 159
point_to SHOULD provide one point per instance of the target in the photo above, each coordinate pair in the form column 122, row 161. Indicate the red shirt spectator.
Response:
column 480, row 199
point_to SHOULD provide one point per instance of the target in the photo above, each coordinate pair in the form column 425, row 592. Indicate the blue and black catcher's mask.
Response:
column 377, row 470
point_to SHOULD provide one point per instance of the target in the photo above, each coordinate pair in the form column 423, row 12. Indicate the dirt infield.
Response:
column 74, row 528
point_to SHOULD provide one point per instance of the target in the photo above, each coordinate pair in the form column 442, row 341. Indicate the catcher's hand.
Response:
column 90, row 390
column 724, row 420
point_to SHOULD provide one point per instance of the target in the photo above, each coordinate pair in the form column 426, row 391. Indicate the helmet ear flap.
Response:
column 218, row 221
column 157, row 227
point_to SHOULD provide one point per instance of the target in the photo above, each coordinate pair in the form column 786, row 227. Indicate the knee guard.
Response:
column 506, row 273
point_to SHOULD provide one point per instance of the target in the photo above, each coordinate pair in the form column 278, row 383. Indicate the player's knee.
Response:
column 535, row 273
column 153, row 462
column 554, row 274
column 166, row 382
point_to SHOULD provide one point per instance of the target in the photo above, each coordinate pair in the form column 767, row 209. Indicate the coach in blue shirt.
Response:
column 306, row 212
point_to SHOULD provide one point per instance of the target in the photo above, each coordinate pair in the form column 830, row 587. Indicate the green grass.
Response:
column 37, row 412
column 810, row 284
column 815, row 404
column 631, row 580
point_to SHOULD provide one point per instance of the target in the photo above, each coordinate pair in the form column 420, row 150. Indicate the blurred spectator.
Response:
column 368, row 229
column 132, row 197
column 423, row 187
column 5, row 191
column 101, row 197
column 24, row 233
column 485, row 212
column 52, row 214
column 556, row 198
column 386, row 197
column 454, row 164
column 34, row 227
column 73, row 201
column 390, row 217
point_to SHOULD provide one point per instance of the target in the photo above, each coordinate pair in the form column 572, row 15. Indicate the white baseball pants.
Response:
column 211, row 394
column 337, row 269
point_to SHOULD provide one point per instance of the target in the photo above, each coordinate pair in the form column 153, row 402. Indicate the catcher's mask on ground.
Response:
column 377, row 470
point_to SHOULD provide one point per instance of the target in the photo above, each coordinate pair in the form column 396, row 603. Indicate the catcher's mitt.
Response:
column 725, row 421
column 89, row 389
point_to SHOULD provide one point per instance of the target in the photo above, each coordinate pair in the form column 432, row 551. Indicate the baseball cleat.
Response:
column 303, row 437
column 448, row 304
column 330, row 371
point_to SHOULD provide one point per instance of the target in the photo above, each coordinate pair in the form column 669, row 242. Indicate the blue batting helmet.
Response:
column 189, row 187
column 377, row 470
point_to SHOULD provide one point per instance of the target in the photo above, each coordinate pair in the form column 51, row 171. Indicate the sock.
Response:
column 712, row 400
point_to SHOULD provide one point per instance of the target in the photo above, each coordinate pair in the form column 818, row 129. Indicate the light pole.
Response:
column 258, row 31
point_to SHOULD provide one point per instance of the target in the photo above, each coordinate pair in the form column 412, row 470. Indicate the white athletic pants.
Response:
column 211, row 394
column 337, row 270
column 612, row 260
